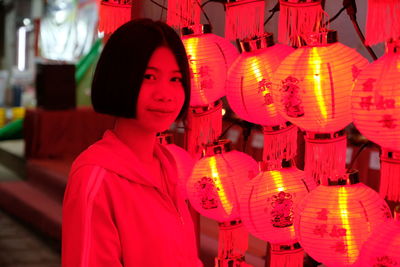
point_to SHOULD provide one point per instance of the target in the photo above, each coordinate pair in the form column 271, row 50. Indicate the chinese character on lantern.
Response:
column 208, row 192
column 290, row 97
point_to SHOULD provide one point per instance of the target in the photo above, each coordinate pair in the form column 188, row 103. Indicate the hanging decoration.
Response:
column 183, row 13
column 213, row 190
column 244, row 19
column 209, row 56
column 297, row 17
column 267, row 209
column 335, row 219
column 376, row 113
column 249, row 96
column 383, row 247
column 311, row 90
column 114, row 13
column 184, row 161
column 383, row 21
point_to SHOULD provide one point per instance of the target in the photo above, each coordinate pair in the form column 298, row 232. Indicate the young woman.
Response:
column 121, row 206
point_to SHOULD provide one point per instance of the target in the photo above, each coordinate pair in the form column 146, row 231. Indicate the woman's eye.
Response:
column 176, row 79
column 149, row 77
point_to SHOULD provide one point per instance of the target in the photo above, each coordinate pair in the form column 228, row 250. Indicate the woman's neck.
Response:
column 137, row 138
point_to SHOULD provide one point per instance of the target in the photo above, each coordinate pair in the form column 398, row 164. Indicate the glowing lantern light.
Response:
column 334, row 220
column 249, row 80
column 184, row 161
column 267, row 209
column 311, row 89
column 216, row 179
column 113, row 14
column 210, row 57
column 376, row 113
column 248, row 94
column 383, row 246
column 267, row 203
column 213, row 190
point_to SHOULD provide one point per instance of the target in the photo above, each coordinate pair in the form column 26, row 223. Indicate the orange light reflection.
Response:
column 315, row 62
column 227, row 206
column 344, row 215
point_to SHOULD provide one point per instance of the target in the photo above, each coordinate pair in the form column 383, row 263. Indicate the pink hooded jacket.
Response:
column 116, row 214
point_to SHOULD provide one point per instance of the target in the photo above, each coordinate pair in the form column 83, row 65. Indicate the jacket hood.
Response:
column 113, row 155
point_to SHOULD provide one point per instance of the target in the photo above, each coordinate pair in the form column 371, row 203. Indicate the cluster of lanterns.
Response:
column 320, row 87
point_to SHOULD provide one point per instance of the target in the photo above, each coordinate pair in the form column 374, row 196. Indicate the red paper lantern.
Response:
column 311, row 87
column 333, row 221
column 210, row 57
column 383, row 246
column 267, row 203
column 376, row 101
column 249, row 80
column 376, row 113
column 216, row 180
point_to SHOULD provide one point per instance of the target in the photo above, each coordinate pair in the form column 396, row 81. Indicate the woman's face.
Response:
column 161, row 95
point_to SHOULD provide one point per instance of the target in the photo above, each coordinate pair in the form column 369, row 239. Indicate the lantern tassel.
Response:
column 296, row 19
column 383, row 21
column 232, row 244
column 183, row 13
column 325, row 157
column 113, row 15
column 390, row 178
column 286, row 255
column 244, row 19
column 280, row 144
column 204, row 125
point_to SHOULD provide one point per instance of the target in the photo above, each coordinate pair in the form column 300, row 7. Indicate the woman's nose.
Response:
column 163, row 96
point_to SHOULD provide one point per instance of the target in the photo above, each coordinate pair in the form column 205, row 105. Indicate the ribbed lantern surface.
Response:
column 333, row 222
column 216, row 182
column 249, row 84
column 383, row 247
column 376, row 101
column 312, row 86
column 210, row 57
column 267, row 203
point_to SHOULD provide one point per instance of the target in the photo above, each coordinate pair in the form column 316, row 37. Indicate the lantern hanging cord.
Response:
column 351, row 9
column 355, row 157
column 205, row 14
column 275, row 9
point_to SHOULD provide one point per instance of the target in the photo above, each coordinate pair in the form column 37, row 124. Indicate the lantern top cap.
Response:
column 393, row 46
column 351, row 177
column 397, row 213
column 322, row 38
column 269, row 166
column 217, row 147
column 196, row 29
column 256, row 43
column 165, row 138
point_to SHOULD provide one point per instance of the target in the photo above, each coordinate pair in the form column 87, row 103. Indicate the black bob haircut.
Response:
column 123, row 61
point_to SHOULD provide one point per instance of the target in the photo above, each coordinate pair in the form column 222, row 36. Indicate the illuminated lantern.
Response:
column 312, row 89
column 383, row 246
column 335, row 219
column 267, row 209
column 376, row 113
column 184, row 161
column 113, row 14
column 216, row 180
column 213, row 190
column 249, row 80
column 210, row 57
column 249, row 96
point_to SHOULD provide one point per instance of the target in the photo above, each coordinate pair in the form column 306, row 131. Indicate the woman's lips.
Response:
column 161, row 110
